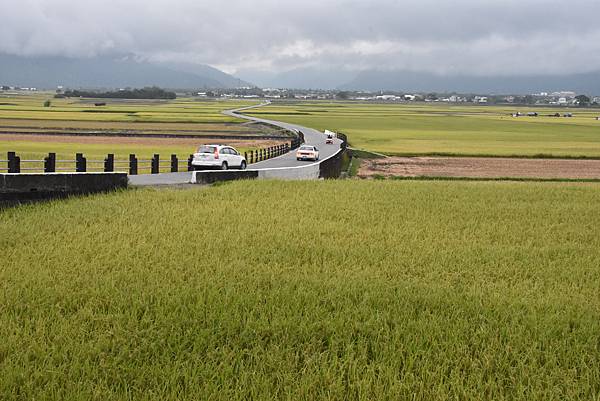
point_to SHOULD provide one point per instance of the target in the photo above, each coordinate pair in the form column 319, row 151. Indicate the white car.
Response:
column 218, row 156
column 307, row 152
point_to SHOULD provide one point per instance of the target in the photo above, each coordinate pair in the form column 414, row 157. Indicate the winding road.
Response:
column 311, row 137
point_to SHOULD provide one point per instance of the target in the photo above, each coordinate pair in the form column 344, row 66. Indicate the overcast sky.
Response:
column 485, row 37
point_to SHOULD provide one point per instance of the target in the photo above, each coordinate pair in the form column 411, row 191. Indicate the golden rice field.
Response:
column 337, row 290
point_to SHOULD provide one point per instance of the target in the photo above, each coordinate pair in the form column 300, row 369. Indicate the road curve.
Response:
column 311, row 136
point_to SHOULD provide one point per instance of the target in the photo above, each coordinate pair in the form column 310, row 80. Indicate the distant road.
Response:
column 311, row 136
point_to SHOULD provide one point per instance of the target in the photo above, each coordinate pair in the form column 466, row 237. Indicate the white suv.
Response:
column 218, row 156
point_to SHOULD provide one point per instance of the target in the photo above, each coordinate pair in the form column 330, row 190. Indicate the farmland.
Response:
column 451, row 130
column 31, row 108
column 386, row 290
column 32, row 130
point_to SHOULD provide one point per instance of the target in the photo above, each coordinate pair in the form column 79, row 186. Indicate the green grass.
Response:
column 422, row 129
column 354, row 166
column 383, row 290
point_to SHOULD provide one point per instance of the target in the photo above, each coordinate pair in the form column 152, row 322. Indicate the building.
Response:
column 386, row 97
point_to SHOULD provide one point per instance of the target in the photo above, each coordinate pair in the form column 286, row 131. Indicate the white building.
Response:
column 386, row 97
column 565, row 94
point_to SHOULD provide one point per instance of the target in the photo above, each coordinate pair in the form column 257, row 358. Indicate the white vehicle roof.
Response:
column 219, row 147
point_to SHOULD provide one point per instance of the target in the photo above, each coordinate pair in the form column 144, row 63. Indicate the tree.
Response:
column 47, row 103
column 529, row 99
column 145, row 93
column 343, row 95
column 583, row 100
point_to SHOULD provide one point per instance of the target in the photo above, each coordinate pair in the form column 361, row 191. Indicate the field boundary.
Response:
column 496, row 156
column 105, row 134
column 480, row 179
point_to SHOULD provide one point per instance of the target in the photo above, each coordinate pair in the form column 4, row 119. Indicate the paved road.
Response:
column 311, row 136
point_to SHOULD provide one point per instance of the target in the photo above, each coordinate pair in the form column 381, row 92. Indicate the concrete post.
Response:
column 133, row 165
column 80, row 163
column 174, row 164
column 109, row 163
column 14, row 163
column 50, row 163
column 155, row 164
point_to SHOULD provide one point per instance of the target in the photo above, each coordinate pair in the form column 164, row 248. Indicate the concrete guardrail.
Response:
column 29, row 187
column 312, row 171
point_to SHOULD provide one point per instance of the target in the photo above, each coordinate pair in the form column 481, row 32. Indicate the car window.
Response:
column 225, row 151
column 233, row 151
column 206, row 149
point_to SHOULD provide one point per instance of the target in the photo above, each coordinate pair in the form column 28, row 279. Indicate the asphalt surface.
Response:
column 311, row 137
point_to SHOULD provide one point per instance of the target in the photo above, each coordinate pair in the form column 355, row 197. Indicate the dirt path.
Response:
column 480, row 167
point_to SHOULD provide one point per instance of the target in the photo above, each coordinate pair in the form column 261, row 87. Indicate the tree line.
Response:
column 144, row 93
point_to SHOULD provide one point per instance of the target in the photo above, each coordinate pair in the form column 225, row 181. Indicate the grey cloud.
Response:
column 481, row 37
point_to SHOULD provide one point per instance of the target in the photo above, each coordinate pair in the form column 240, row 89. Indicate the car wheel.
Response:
column 243, row 165
column 224, row 166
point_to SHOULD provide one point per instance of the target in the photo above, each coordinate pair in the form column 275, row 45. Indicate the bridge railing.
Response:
column 133, row 165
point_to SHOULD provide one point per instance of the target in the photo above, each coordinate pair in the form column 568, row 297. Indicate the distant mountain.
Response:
column 228, row 81
column 425, row 82
column 302, row 78
column 106, row 72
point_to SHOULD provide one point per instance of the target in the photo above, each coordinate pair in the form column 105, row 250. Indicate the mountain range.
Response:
column 410, row 81
column 124, row 71
column 300, row 78
column 107, row 72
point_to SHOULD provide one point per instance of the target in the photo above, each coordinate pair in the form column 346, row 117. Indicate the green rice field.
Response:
column 201, row 118
column 451, row 130
column 379, row 290
column 31, row 107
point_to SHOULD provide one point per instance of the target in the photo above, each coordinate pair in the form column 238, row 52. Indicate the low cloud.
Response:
column 489, row 37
